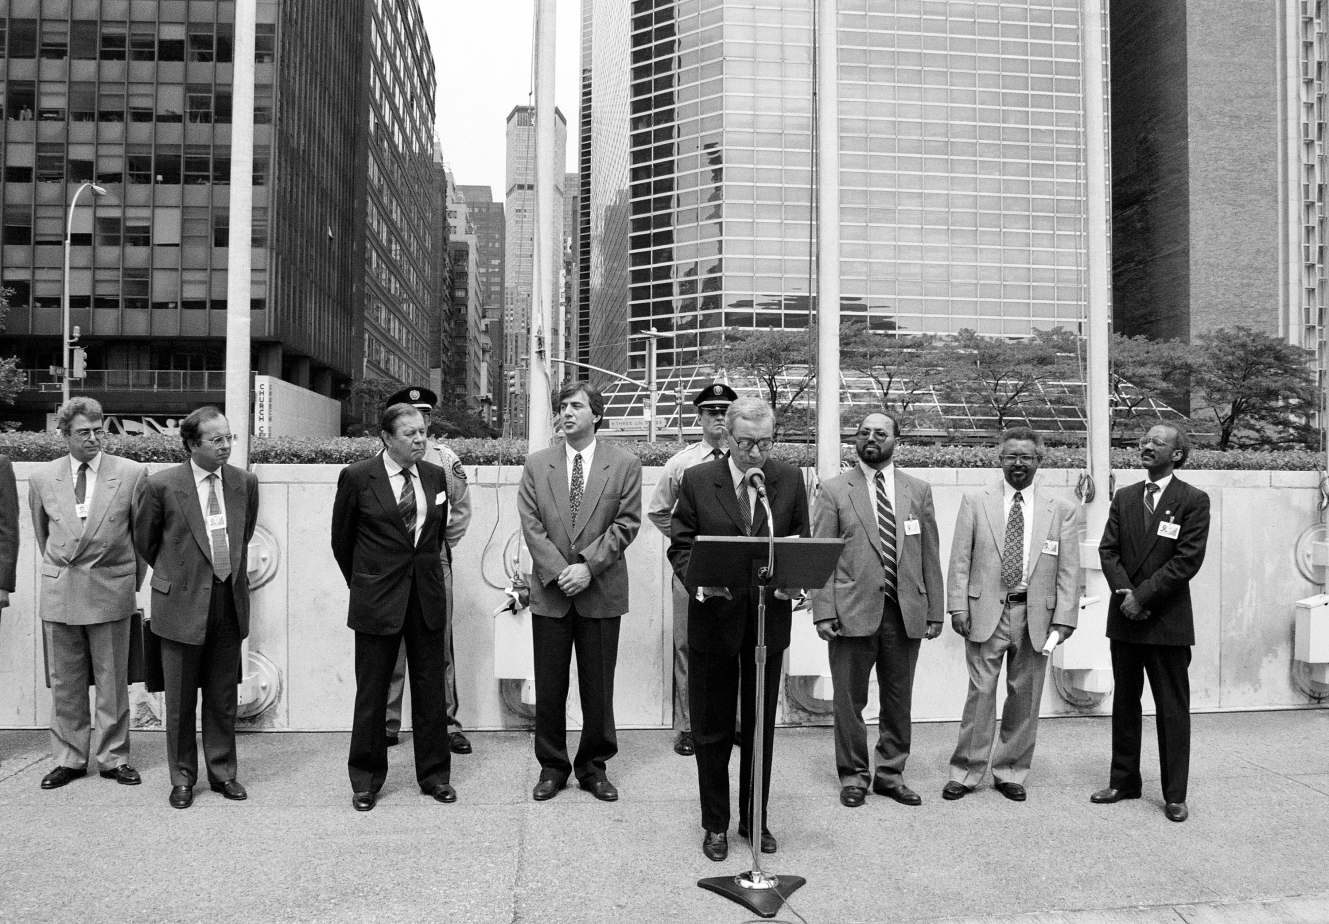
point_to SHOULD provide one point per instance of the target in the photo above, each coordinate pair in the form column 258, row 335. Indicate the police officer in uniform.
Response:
column 459, row 517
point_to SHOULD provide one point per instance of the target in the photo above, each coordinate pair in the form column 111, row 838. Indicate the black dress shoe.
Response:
column 124, row 774
column 899, row 792
column 459, row 743
column 768, row 844
column 364, row 801
column 599, row 787
column 715, row 845
column 683, row 745
column 443, row 792
column 953, row 790
column 1013, row 791
column 182, row 797
column 1176, row 811
column 852, row 796
column 62, row 776
column 1109, row 796
column 547, row 789
column 230, row 790
column 391, row 741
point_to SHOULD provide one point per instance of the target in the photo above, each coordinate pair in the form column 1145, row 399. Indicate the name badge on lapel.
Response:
column 1169, row 530
column 441, row 498
column 81, row 510
column 911, row 527
column 1051, row 547
column 216, row 521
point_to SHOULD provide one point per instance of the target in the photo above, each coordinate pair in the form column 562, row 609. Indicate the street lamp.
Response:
column 651, row 336
column 64, row 301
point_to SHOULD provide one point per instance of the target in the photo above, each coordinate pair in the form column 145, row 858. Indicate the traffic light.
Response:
column 512, row 384
column 80, row 363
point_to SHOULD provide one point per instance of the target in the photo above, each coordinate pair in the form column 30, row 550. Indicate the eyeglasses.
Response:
column 1155, row 442
column 748, row 445
column 219, row 441
column 873, row 435
column 1020, row 460
column 86, row 432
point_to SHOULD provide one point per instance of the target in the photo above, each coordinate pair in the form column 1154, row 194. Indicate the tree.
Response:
column 373, row 392
column 1003, row 376
column 458, row 421
column 903, row 368
column 1141, row 371
column 12, row 379
column 1260, row 390
column 782, row 361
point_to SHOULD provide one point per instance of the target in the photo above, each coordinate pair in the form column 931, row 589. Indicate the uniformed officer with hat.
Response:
column 459, row 517
column 711, row 403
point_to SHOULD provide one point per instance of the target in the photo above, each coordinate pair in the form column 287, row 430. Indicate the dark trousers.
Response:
column 596, row 644
column 714, row 682
column 426, row 663
column 214, row 667
column 1166, row 667
column 894, row 655
column 397, row 690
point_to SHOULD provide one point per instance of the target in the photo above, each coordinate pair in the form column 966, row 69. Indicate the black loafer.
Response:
column 459, row 743
column 547, row 789
column 715, row 846
column 899, row 792
column 1176, row 811
column 230, row 790
column 364, row 801
column 124, row 774
column 62, row 776
column 1109, row 796
column 768, row 844
column 683, row 745
column 599, row 787
column 1013, row 791
column 442, row 792
column 953, row 790
column 852, row 796
column 182, row 797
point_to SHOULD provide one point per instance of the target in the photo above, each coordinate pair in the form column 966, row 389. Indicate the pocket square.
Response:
column 441, row 497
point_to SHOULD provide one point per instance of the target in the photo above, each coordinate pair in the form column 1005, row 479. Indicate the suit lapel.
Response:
column 904, row 509
column 758, row 508
column 64, row 489
column 187, row 496
column 860, row 498
column 108, row 482
column 558, row 489
column 1166, row 501
column 383, row 491
column 596, row 479
column 1042, row 512
column 994, row 507
column 233, row 486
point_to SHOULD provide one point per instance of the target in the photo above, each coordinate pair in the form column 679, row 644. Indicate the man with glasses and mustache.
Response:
column 193, row 523
column 1014, row 579
column 83, row 518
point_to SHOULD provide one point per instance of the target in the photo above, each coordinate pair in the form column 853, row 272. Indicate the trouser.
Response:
column 213, row 667
column 104, row 646
column 1008, row 749
column 894, row 655
column 595, row 642
column 1166, row 667
column 682, row 718
column 397, row 688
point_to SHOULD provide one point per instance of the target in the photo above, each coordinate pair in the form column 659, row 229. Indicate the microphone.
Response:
column 756, row 478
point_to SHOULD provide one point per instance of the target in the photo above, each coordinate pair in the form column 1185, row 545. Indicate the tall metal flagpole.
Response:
column 828, row 242
column 539, row 415
column 240, row 233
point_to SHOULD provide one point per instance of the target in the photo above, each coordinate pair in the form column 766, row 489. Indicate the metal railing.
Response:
column 132, row 380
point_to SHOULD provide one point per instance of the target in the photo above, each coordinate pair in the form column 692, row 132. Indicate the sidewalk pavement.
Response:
column 1254, row 849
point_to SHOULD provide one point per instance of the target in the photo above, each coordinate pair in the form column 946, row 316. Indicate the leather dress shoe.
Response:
column 953, row 790
column 182, row 797
column 459, row 743
column 230, row 790
column 443, row 792
column 599, row 787
column 364, row 801
column 715, row 845
column 1013, row 791
column 1109, row 796
column 768, row 844
column 683, row 745
column 391, row 740
column 547, row 789
column 124, row 774
column 1176, row 811
column 852, row 796
column 62, row 776
column 899, row 792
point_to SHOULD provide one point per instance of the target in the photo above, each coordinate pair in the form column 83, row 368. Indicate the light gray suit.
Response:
column 89, row 573
column 1015, row 632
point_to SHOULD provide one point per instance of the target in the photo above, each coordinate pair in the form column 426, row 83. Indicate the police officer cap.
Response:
column 422, row 398
column 718, row 395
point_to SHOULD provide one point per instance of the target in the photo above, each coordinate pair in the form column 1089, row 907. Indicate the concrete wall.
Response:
column 283, row 409
column 1244, row 606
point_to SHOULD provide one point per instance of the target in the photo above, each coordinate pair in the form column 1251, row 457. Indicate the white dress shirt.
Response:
column 395, row 478
column 887, row 473
column 91, row 485
column 201, row 486
column 1162, row 488
column 737, row 474
column 587, row 457
column 1007, row 501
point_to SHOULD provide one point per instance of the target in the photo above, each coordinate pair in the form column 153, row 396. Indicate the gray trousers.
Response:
column 106, row 646
column 397, row 687
column 1009, row 749
column 682, row 718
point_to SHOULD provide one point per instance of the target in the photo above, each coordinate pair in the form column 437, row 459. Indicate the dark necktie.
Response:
column 578, row 485
column 717, row 454
column 1012, row 557
column 406, row 503
column 81, row 485
column 1150, row 497
column 745, row 507
column 886, row 527
column 221, row 550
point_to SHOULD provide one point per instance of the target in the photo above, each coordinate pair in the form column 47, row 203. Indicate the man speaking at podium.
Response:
column 719, row 499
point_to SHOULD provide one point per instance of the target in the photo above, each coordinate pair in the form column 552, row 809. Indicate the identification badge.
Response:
column 81, row 510
column 911, row 527
column 216, row 521
column 441, row 498
column 1051, row 547
column 1169, row 530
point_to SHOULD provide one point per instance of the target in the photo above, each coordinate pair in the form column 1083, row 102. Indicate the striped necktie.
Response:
column 1151, row 497
column 221, row 549
column 406, row 503
column 745, row 507
column 886, row 528
column 1012, row 557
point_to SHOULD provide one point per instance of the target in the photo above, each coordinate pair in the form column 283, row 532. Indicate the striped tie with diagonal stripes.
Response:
column 221, row 548
column 886, row 527
column 745, row 507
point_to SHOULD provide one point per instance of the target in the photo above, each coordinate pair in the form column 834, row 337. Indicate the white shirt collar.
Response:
column 201, row 473
column 393, row 468
column 871, row 473
column 94, row 464
column 1008, row 493
column 587, row 453
column 735, row 472
column 1162, row 483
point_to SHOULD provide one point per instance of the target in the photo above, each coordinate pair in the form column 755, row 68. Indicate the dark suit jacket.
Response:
column 378, row 557
column 8, row 525
column 1159, row 570
column 708, row 506
column 607, row 522
column 172, row 536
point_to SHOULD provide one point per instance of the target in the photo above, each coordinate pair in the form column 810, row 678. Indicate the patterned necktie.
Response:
column 81, row 485
column 221, row 550
column 574, row 493
column 1151, row 497
column 886, row 527
column 745, row 507
column 1012, row 557
column 406, row 502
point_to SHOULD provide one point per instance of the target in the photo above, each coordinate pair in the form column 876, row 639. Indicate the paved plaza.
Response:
column 1254, row 849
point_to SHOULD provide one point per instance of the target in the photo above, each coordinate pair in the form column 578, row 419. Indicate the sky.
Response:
column 482, row 59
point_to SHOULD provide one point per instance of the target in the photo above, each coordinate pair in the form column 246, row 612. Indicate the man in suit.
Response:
column 8, row 531
column 580, row 507
column 883, row 600
column 717, row 499
column 459, row 517
column 1152, row 546
column 711, row 403
column 387, row 536
column 193, row 523
column 1014, row 579
column 83, row 518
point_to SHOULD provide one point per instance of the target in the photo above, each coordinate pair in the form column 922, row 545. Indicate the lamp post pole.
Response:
column 64, row 294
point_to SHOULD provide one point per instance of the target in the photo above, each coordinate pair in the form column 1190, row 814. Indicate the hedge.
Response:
column 41, row 447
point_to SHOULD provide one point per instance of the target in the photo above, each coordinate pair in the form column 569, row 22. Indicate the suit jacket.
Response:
column 8, row 525
column 1159, row 569
column 974, row 584
column 172, row 536
column 855, row 594
column 607, row 522
column 90, row 570
column 378, row 558
column 708, row 506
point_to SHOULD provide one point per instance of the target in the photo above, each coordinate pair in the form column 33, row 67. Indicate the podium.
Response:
column 761, row 564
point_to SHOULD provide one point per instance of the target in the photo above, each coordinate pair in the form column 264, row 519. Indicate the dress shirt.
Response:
column 587, row 457
column 737, row 474
column 1162, row 489
column 1007, row 501
column 93, row 465
column 201, row 487
column 395, row 478
column 887, row 473
column 666, row 492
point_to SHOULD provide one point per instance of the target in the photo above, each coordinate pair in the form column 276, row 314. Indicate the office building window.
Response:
column 138, row 231
column 221, row 229
column 108, row 231
column 23, row 38
column 82, row 102
column 50, row 163
column 265, row 43
column 198, row 100
column 143, row 42
column 198, row 166
column 18, row 224
column 171, row 42
column 55, row 40
column 83, row 41
column 114, row 42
